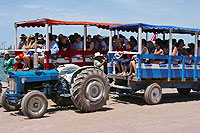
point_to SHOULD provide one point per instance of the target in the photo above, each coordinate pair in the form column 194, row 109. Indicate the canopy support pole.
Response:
column 47, row 37
column 118, row 34
column 170, row 55
column 15, row 37
column 163, row 36
column 140, row 40
column 51, row 29
column 110, row 41
column 147, row 36
column 85, row 38
column 195, row 55
column 139, row 70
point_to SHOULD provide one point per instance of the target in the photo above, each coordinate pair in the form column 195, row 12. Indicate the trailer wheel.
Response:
column 90, row 90
column 153, row 94
column 183, row 91
column 4, row 103
column 34, row 104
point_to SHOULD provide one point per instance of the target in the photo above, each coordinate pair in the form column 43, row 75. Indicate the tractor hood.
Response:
column 33, row 76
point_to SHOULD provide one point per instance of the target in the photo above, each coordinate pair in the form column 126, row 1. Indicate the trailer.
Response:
column 152, row 78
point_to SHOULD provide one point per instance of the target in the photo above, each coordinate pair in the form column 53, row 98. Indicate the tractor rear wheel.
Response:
column 34, row 104
column 4, row 103
column 90, row 90
column 183, row 91
column 153, row 94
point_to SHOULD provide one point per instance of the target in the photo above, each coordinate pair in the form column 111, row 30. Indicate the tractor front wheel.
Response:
column 34, row 104
column 4, row 103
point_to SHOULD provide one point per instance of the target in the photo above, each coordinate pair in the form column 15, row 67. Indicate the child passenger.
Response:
column 125, row 63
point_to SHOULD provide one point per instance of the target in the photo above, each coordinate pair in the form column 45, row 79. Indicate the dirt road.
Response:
column 175, row 114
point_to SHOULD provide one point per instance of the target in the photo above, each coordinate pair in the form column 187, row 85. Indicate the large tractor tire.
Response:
column 90, row 90
column 4, row 103
column 153, row 94
column 34, row 104
column 183, row 91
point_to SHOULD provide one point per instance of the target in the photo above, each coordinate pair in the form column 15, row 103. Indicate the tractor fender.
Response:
column 79, row 70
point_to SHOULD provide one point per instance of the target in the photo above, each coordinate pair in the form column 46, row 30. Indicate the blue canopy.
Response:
column 154, row 28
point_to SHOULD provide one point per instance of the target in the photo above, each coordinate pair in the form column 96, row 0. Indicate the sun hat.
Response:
column 6, row 53
column 23, row 36
column 97, row 54
column 40, row 36
column 31, row 36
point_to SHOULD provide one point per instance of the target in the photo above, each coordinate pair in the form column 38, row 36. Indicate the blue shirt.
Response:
column 77, row 46
column 104, row 45
column 54, row 47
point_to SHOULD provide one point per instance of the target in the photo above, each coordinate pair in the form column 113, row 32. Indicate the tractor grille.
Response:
column 12, row 84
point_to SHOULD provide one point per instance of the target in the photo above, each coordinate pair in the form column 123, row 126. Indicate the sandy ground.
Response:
column 174, row 114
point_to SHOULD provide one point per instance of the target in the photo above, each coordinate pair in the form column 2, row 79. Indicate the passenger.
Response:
column 181, row 49
column 133, row 62
column 125, row 63
column 22, row 43
column 158, row 51
column 189, row 53
column 64, row 45
column 90, row 43
column 36, row 36
column 27, row 56
column 55, row 38
column 118, row 57
column 8, row 64
column 133, row 42
column 78, row 46
column 174, row 52
column 53, row 50
column 100, row 44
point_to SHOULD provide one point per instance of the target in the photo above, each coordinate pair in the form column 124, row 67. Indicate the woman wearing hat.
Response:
column 22, row 42
column 8, row 64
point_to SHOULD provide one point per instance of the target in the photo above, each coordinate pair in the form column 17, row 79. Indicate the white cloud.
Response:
column 32, row 6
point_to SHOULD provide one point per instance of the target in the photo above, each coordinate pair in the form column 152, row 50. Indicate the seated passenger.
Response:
column 118, row 57
column 158, row 51
column 78, row 46
column 174, row 53
column 133, row 62
column 125, row 63
column 53, row 47
column 90, row 43
column 22, row 43
column 64, row 46
column 27, row 56
column 100, row 44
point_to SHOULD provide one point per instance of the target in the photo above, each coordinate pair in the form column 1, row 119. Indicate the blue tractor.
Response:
column 85, row 87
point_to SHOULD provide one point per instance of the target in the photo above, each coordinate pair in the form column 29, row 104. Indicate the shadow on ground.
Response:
column 166, row 98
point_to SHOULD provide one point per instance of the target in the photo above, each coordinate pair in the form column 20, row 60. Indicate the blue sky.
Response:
column 163, row 12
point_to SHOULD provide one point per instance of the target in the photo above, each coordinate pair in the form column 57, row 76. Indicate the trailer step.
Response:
column 120, row 87
column 116, row 76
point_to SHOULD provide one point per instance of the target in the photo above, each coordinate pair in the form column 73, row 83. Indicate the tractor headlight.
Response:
column 23, row 80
